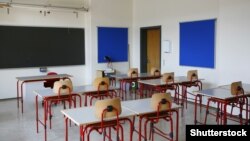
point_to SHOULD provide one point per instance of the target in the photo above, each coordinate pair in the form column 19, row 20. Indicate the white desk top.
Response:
column 159, row 82
column 86, row 115
column 76, row 89
column 245, row 86
column 42, row 77
column 220, row 93
column 125, row 76
column 153, row 82
column 142, row 106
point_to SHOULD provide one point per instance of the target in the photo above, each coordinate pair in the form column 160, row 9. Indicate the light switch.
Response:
column 166, row 46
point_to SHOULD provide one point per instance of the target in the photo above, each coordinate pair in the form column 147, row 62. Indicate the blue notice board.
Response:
column 112, row 42
column 197, row 43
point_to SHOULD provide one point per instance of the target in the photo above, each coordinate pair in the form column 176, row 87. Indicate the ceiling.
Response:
column 48, row 3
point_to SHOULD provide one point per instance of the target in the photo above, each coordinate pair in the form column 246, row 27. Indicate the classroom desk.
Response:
column 222, row 95
column 124, row 79
column 159, row 82
column 85, row 116
column 47, row 95
column 27, row 79
column 142, row 108
column 178, row 80
column 140, row 76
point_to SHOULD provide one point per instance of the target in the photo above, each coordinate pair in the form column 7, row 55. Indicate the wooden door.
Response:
column 153, row 48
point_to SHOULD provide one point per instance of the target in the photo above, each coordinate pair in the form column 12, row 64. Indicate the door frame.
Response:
column 143, row 47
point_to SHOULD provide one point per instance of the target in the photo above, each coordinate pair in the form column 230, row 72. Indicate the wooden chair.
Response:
column 237, row 89
column 155, row 71
column 104, row 109
column 63, row 93
column 168, row 78
column 63, row 90
column 133, row 78
column 133, row 72
column 102, row 86
column 193, row 81
column 161, row 103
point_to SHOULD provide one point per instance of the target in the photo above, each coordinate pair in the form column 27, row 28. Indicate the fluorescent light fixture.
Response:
column 50, row 7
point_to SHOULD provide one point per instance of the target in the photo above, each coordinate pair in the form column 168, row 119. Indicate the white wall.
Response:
column 233, row 59
column 32, row 17
column 232, row 35
column 109, row 13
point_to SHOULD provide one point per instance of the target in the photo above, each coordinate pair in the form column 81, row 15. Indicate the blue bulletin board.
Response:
column 197, row 43
column 112, row 42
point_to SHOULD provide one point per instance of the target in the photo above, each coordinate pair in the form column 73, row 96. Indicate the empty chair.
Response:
column 63, row 87
column 168, row 78
column 155, row 71
column 236, row 88
column 132, row 79
column 133, row 72
column 161, row 103
column 63, row 90
column 193, row 81
column 108, row 108
column 102, row 86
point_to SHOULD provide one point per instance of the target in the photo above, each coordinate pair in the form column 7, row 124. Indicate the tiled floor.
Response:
column 22, row 127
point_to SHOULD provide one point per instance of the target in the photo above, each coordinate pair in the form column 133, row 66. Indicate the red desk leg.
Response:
column 177, row 124
column 45, row 107
column 195, row 106
column 140, row 120
column 17, row 93
column 22, row 95
column 37, row 114
column 66, row 129
column 247, row 114
column 131, row 130
column 225, row 114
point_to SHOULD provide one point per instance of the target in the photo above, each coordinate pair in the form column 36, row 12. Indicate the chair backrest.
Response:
column 192, row 75
column 133, row 72
column 161, row 100
column 155, row 71
column 63, row 86
column 236, row 88
column 51, row 73
column 101, row 83
column 168, row 77
column 110, row 106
